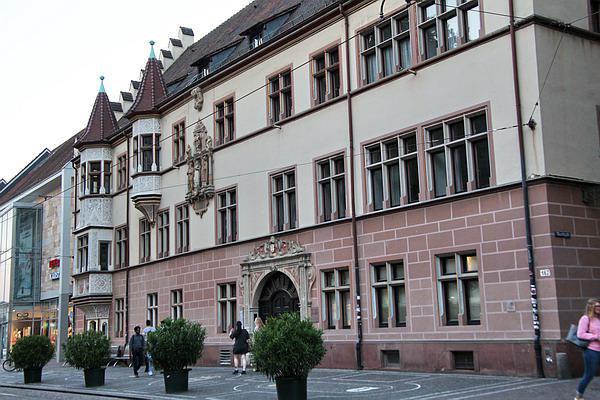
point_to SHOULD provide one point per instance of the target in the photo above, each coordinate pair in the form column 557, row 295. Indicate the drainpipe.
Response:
column 127, row 254
column 525, row 190
column 359, row 339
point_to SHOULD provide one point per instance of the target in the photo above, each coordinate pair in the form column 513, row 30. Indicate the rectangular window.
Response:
column 144, row 240
column 326, row 75
column 331, row 181
column 122, row 178
column 103, row 255
column 162, row 231
column 107, row 174
column 82, row 253
column 227, row 216
column 224, row 121
column 389, row 294
column 83, row 187
column 458, row 288
column 458, row 151
column 94, row 173
column 146, row 152
column 119, row 317
column 152, row 308
column 393, row 172
column 227, row 309
column 283, row 201
column 121, row 253
column 595, row 15
column 176, row 304
column 182, row 234
column 179, row 142
column 280, row 96
column 337, row 306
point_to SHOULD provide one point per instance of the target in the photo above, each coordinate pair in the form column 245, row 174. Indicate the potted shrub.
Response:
column 89, row 351
column 174, row 346
column 286, row 350
column 31, row 353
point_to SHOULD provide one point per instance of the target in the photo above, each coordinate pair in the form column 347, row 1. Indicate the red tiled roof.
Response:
column 152, row 90
column 102, row 122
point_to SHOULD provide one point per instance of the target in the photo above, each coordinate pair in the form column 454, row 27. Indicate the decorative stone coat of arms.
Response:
column 200, row 187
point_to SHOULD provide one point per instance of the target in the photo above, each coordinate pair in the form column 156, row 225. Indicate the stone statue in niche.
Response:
column 198, row 98
column 200, row 165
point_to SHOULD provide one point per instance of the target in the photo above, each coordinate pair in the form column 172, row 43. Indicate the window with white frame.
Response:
column 326, row 75
column 386, row 48
column 393, row 171
column 331, row 182
column 227, row 309
column 119, row 317
column 97, row 325
column 227, row 216
column 82, row 253
column 152, row 308
column 162, row 231
column 446, row 24
column 337, row 304
column 144, row 240
column 283, row 201
column 458, row 289
column 176, row 304
column 458, row 154
column 388, row 294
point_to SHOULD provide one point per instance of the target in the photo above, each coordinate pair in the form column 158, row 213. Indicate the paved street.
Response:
column 218, row 384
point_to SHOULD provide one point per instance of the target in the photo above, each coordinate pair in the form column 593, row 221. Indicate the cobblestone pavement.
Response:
column 219, row 384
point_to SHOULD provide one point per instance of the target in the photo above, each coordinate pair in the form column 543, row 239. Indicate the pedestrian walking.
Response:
column 136, row 350
column 589, row 329
column 149, row 363
column 258, row 325
column 240, row 347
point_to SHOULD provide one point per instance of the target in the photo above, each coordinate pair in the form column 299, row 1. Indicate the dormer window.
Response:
column 256, row 40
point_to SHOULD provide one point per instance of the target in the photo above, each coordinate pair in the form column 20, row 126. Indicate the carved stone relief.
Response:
column 198, row 97
column 95, row 311
column 100, row 284
column 274, row 248
column 146, row 125
column 200, row 170
column 95, row 211
column 96, row 154
column 146, row 184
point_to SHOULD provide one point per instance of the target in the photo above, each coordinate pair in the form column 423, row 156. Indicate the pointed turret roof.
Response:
column 102, row 122
column 152, row 88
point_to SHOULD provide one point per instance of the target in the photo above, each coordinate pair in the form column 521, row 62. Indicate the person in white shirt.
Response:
column 149, row 364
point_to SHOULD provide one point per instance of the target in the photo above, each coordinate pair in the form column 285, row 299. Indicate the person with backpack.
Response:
column 240, row 346
column 589, row 329
column 136, row 350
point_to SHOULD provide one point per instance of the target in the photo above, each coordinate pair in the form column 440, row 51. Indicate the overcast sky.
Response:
column 54, row 51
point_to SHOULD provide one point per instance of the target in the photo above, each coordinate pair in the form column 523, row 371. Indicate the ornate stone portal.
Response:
column 200, row 187
column 276, row 255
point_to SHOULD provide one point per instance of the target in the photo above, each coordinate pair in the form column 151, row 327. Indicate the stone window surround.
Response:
column 231, row 303
column 372, row 301
column 278, row 74
column 227, row 114
column 316, row 161
column 178, row 141
column 147, row 237
column 325, row 51
column 272, row 214
column 118, row 263
column 219, row 209
column 167, row 230
column 176, row 296
column 336, row 289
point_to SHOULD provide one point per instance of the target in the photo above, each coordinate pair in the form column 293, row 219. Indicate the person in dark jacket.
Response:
column 136, row 350
column 240, row 347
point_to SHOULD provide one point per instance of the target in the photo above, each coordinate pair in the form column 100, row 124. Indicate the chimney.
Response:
column 175, row 47
column 134, row 86
column 166, row 57
column 186, row 35
column 126, row 100
column 116, row 108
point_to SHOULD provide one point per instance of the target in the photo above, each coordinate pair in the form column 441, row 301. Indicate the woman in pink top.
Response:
column 589, row 329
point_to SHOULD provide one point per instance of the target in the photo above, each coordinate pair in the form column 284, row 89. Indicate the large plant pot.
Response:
column 176, row 381
column 32, row 375
column 94, row 377
column 291, row 388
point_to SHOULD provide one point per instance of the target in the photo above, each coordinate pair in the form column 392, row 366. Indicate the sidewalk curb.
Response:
column 55, row 389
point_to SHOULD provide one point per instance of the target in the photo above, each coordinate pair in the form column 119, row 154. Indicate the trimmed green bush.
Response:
column 176, row 344
column 87, row 350
column 288, row 346
column 32, row 352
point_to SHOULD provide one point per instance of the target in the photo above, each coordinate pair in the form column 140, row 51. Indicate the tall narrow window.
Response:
column 337, row 306
column 121, row 252
column 83, row 187
column 162, row 230
column 122, row 172
column 176, row 304
column 283, row 201
column 182, row 234
column 280, row 96
column 227, row 216
column 146, row 152
column 458, row 285
column 144, row 240
column 428, row 29
column 82, row 253
column 107, row 175
column 119, row 317
column 411, row 167
column 369, row 56
column 326, row 75
column 103, row 255
column 331, row 188
column 224, row 121
column 94, row 176
column 152, row 308
column 389, row 294
column 179, row 142
column 402, row 40
column 375, row 176
column 227, row 306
